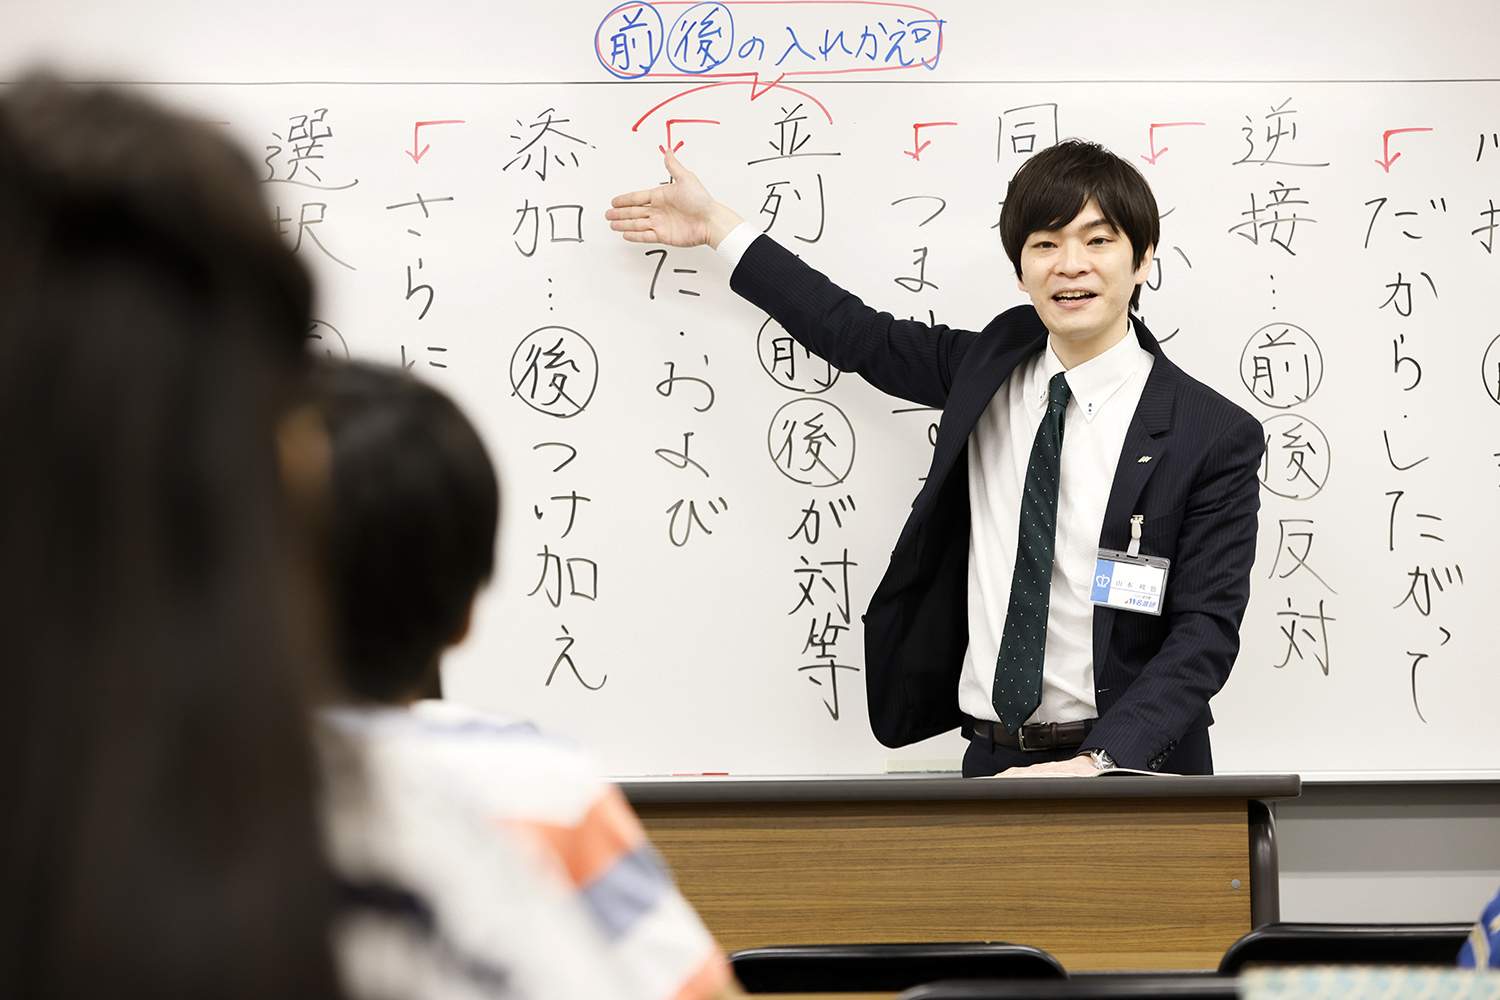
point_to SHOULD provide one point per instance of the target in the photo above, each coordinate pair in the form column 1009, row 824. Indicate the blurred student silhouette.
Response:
column 158, row 836
column 534, row 873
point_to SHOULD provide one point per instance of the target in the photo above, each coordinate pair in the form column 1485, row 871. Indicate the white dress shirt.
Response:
column 1105, row 391
column 733, row 246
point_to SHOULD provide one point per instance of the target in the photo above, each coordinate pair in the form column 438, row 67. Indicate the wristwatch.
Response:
column 1102, row 760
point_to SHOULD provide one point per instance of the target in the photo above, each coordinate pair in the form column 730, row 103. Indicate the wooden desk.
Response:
column 1125, row 872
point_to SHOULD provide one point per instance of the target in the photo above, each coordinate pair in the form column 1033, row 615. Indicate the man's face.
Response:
column 1080, row 278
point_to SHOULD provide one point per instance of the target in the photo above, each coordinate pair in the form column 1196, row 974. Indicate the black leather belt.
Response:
column 1038, row 736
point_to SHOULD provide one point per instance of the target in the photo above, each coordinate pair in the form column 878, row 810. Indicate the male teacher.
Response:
column 1069, row 586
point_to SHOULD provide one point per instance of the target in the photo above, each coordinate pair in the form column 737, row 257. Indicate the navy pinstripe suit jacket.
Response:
column 1198, row 492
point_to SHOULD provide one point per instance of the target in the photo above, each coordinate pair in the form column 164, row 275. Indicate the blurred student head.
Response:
column 414, row 507
column 157, row 828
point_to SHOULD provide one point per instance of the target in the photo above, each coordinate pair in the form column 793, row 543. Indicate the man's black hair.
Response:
column 415, row 503
column 1052, row 187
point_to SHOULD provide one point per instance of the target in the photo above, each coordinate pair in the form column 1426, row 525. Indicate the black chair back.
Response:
column 1346, row 944
column 1121, row 986
column 889, row 968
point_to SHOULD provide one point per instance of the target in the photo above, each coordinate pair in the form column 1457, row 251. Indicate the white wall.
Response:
column 1391, row 853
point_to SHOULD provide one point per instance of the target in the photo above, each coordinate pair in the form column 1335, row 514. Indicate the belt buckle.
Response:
column 1021, row 740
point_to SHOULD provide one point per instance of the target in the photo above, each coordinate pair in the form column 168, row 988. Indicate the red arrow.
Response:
column 754, row 93
column 736, row 79
column 417, row 154
column 916, row 136
column 1152, row 133
column 682, row 121
column 1385, row 164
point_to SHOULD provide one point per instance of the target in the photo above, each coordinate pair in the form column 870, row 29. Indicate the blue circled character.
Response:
column 629, row 40
column 702, row 38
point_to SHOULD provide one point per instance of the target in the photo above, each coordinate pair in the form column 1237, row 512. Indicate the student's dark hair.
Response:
column 158, row 833
column 415, row 504
column 1052, row 187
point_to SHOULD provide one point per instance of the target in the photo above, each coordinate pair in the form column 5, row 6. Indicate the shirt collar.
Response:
column 1096, row 380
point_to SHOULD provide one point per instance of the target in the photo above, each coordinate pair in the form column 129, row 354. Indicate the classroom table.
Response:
column 1114, row 872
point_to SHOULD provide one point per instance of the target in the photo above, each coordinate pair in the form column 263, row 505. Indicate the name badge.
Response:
column 1129, row 582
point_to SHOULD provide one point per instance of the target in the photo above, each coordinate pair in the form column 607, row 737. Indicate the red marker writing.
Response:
column 1155, row 153
column 1385, row 163
column 682, row 121
column 417, row 154
column 917, row 145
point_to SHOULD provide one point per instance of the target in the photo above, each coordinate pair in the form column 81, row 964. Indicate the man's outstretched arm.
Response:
column 905, row 359
column 680, row 214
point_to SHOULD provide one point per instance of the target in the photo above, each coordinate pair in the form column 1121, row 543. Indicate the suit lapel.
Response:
column 1013, row 337
column 1148, row 437
column 1146, row 443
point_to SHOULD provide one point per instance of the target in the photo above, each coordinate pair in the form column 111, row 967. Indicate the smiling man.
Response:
column 1069, row 586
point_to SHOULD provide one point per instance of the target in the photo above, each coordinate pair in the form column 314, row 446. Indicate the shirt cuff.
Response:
column 733, row 246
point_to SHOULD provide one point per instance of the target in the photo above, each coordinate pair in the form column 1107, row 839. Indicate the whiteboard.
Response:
column 691, row 510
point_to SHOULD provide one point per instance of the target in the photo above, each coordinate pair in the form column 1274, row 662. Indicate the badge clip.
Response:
column 1128, row 580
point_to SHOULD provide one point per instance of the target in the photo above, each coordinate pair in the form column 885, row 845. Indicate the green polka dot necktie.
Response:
column 1018, row 669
